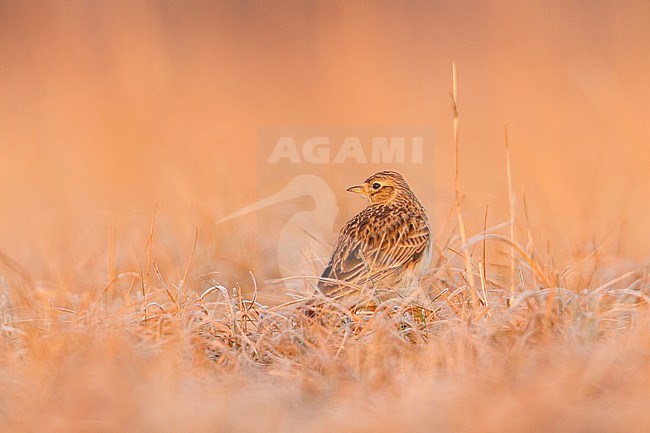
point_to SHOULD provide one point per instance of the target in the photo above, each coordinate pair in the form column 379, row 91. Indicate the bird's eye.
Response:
column 376, row 185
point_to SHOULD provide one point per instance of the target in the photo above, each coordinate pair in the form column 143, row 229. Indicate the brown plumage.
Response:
column 386, row 247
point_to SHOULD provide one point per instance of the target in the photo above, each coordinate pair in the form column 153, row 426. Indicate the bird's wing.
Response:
column 370, row 249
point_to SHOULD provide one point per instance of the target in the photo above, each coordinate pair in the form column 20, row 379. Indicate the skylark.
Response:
column 385, row 248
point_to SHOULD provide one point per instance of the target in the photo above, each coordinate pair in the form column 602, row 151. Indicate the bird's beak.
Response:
column 357, row 189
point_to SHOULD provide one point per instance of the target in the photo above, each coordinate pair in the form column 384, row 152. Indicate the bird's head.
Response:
column 382, row 188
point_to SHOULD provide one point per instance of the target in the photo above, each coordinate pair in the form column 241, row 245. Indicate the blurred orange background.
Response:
column 107, row 107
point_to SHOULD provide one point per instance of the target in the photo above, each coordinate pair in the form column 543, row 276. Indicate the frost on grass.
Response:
column 566, row 350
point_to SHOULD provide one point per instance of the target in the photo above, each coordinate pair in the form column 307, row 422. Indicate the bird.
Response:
column 385, row 249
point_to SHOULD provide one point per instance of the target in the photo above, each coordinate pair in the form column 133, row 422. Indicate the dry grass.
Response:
column 146, row 354
column 111, row 323
column 532, row 349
